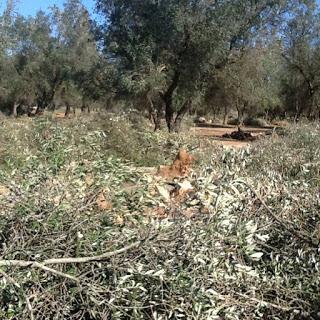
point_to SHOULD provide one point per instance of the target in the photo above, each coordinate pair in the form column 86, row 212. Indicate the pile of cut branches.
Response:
column 79, row 240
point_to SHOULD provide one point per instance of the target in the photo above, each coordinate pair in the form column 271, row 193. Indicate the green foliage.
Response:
column 251, row 83
column 300, row 76
column 255, row 122
column 186, row 40
column 164, row 56
column 47, row 55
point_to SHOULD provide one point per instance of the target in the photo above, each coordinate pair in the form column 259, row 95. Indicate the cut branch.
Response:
column 266, row 303
column 43, row 265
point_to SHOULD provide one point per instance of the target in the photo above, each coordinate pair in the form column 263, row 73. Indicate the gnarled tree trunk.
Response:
column 168, row 100
column 180, row 114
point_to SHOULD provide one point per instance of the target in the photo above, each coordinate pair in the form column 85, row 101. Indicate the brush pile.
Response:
column 82, row 235
column 239, row 135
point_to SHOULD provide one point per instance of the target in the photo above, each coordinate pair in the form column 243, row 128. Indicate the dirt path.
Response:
column 217, row 133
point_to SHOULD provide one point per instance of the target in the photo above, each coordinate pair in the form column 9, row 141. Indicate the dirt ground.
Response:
column 217, row 133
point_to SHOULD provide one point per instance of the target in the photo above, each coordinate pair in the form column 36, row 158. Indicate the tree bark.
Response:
column 68, row 110
column 15, row 109
column 239, row 114
column 181, row 113
column 225, row 116
column 153, row 112
column 168, row 100
column 169, row 116
column 49, row 99
column 298, row 113
column 241, row 111
column 85, row 106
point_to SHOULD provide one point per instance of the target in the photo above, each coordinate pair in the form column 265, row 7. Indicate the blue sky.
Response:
column 30, row 7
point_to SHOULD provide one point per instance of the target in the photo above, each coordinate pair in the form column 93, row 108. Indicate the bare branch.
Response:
column 34, row 264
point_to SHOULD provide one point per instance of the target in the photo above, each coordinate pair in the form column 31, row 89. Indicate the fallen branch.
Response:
column 266, row 303
column 43, row 265
column 91, row 259
column 56, row 272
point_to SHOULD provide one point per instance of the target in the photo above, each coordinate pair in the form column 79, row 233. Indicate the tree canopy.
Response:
column 168, row 57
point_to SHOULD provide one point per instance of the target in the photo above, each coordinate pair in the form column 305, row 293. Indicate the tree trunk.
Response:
column 39, row 110
column 214, row 114
column 150, row 116
column 168, row 100
column 169, row 117
column 50, row 100
column 154, row 112
column 157, row 120
column 297, row 114
column 313, row 106
column 85, row 106
column 225, row 116
column 181, row 113
column 15, row 109
column 240, row 111
column 68, row 110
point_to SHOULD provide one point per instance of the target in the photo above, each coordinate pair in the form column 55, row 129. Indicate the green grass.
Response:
column 237, row 258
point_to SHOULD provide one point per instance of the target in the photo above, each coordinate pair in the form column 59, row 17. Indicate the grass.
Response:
column 243, row 245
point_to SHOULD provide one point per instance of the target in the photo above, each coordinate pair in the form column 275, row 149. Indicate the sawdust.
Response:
column 59, row 115
column 180, row 167
column 102, row 202
column 4, row 191
column 89, row 180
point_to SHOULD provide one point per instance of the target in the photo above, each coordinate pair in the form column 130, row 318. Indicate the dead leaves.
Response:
column 4, row 191
column 176, row 192
column 175, row 199
column 180, row 167
column 119, row 220
column 174, row 195
column 89, row 180
column 164, row 193
column 102, row 203
column 182, row 190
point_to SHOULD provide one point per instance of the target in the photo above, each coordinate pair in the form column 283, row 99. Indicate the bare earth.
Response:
column 217, row 133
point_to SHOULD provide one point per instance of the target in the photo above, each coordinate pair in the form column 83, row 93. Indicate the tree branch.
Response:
column 43, row 265
column 301, row 71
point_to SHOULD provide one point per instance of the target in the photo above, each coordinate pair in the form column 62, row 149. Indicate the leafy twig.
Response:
column 16, row 284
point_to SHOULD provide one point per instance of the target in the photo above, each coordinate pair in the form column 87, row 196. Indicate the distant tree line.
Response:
column 166, row 57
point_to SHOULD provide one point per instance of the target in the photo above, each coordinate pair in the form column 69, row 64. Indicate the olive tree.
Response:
column 251, row 83
column 188, row 39
column 301, row 54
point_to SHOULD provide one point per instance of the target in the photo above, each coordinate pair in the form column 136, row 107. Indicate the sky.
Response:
column 30, row 7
